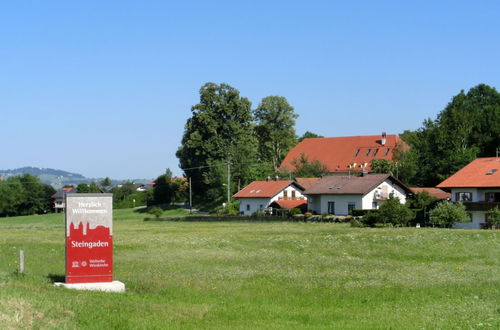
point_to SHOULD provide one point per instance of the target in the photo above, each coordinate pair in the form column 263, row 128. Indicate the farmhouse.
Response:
column 344, row 154
column 259, row 195
column 477, row 186
column 58, row 198
column 338, row 194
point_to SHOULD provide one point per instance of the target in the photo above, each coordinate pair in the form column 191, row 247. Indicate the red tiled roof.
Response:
column 337, row 153
column 291, row 203
column 263, row 189
column 478, row 173
column 434, row 192
column 306, row 183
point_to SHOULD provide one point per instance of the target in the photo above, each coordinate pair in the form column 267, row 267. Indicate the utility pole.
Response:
column 228, row 183
column 190, row 197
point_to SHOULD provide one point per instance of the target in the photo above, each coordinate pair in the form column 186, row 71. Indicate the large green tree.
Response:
column 25, row 195
column 275, row 128
column 467, row 128
column 219, row 132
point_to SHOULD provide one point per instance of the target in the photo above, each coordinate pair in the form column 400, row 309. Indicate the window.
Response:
column 387, row 151
column 492, row 197
column 368, row 152
column 350, row 207
column 375, row 152
column 248, row 207
column 357, row 152
column 331, row 207
column 285, row 194
column 261, row 207
column 374, row 205
column 463, row 197
column 293, row 193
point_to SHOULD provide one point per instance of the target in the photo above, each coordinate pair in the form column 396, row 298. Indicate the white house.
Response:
column 477, row 186
column 258, row 195
column 59, row 196
column 340, row 194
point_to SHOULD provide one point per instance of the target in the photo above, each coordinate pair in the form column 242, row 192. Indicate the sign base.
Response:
column 115, row 286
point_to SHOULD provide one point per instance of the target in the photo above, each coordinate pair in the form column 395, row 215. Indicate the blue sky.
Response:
column 104, row 88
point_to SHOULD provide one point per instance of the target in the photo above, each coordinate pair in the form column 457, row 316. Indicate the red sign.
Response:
column 89, row 239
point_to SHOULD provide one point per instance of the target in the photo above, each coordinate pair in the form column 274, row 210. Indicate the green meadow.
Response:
column 239, row 275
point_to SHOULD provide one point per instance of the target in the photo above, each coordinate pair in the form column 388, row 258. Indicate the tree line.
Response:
column 25, row 195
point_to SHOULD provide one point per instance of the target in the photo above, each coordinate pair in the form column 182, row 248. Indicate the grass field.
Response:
column 257, row 275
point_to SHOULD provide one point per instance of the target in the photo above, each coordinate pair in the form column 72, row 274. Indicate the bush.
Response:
column 232, row 208
column 295, row 211
column 356, row 223
column 298, row 217
column 370, row 218
column 445, row 214
column 359, row 212
column 308, row 214
column 392, row 211
column 493, row 219
column 156, row 211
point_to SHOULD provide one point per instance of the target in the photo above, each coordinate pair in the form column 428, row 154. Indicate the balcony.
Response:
column 481, row 206
column 380, row 196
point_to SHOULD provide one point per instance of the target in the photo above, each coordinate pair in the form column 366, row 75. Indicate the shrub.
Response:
column 356, row 223
column 493, row 218
column 156, row 211
column 295, row 211
column 445, row 214
column 232, row 208
column 299, row 217
column 392, row 211
column 308, row 214
column 359, row 212
column 370, row 218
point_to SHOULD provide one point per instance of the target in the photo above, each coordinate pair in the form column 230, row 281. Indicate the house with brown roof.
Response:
column 344, row 154
column 259, row 195
column 339, row 194
column 477, row 186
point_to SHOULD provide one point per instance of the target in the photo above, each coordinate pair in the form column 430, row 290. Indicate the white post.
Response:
column 21, row 262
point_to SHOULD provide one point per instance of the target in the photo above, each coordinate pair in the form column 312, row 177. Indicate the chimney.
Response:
column 276, row 178
column 268, row 178
column 384, row 139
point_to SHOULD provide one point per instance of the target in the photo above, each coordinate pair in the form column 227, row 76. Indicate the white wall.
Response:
column 396, row 190
column 256, row 205
column 319, row 203
column 477, row 219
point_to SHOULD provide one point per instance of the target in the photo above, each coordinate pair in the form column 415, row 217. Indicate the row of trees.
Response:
column 24, row 195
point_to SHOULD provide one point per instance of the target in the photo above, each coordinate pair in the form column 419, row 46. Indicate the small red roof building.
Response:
column 480, row 173
column 342, row 154
column 263, row 189
column 306, row 183
column 291, row 203
column 434, row 192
